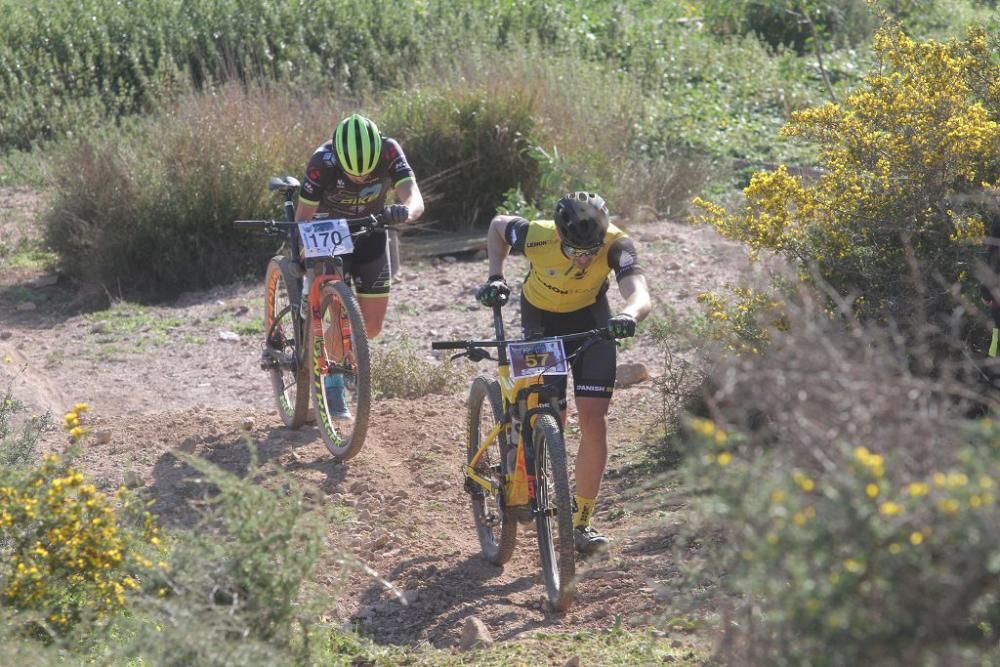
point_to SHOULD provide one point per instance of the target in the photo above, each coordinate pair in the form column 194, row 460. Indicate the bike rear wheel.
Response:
column 282, row 347
column 497, row 531
column 341, row 410
column 554, row 518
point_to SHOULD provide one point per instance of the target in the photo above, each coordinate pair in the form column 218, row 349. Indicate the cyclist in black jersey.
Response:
column 351, row 176
column 565, row 291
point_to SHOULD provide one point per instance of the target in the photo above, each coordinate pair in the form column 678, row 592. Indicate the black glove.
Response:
column 622, row 326
column 494, row 293
column 396, row 214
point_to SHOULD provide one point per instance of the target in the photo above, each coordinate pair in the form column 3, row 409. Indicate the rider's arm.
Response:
column 408, row 194
column 636, row 294
column 497, row 247
column 305, row 211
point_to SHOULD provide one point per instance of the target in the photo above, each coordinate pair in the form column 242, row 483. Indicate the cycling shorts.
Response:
column 594, row 369
column 367, row 268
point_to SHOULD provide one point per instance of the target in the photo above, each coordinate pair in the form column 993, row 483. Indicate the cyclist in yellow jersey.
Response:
column 571, row 259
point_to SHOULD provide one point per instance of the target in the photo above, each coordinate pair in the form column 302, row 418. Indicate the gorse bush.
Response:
column 877, row 226
column 70, row 553
column 843, row 508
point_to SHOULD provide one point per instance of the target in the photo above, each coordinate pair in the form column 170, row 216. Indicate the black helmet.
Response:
column 582, row 219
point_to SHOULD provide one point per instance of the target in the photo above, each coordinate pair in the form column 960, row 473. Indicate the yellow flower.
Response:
column 703, row 426
column 804, row 482
column 77, row 432
column 724, row 459
column 81, row 407
column 918, row 489
column 916, row 537
column 852, row 565
column 872, row 490
column 890, row 508
column 895, row 548
column 777, row 496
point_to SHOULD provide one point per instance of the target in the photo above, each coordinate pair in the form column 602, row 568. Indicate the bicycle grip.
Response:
column 449, row 345
column 251, row 224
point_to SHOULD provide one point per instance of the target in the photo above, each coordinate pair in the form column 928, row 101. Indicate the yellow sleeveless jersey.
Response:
column 554, row 284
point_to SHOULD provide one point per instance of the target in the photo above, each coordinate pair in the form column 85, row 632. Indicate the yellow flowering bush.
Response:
column 855, row 563
column 68, row 549
column 742, row 322
column 922, row 130
column 842, row 509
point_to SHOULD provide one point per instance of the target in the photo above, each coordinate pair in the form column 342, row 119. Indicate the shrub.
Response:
column 70, row 553
column 843, row 508
column 18, row 445
column 876, row 226
column 401, row 371
column 144, row 227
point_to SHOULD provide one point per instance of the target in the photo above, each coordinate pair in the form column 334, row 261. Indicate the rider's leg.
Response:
column 592, row 456
column 371, row 285
column 373, row 309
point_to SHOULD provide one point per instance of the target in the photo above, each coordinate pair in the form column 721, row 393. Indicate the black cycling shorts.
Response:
column 594, row 369
column 367, row 268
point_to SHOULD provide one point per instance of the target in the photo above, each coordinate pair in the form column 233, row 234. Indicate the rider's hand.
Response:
column 396, row 214
column 494, row 293
column 622, row 326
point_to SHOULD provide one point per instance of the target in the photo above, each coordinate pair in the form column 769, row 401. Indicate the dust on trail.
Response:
column 182, row 386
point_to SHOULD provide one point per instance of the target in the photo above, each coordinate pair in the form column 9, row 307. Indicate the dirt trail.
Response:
column 166, row 378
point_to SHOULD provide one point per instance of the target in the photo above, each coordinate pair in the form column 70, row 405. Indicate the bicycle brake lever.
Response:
column 477, row 354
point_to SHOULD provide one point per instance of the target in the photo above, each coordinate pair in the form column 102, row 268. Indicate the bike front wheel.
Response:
column 496, row 531
column 341, row 394
column 282, row 354
column 554, row 513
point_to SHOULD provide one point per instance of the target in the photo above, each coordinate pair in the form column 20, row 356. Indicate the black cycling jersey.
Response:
column 327, row 187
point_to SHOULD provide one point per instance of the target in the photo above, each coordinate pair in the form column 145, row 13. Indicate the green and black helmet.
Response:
column 358, row 144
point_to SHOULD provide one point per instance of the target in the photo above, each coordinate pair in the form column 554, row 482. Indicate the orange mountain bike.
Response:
column 515, row 452
column 316, row 346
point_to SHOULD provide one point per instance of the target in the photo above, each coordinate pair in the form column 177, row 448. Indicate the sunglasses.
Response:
column 572, row 251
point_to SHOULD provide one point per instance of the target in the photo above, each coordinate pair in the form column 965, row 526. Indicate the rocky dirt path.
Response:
column 183, row 376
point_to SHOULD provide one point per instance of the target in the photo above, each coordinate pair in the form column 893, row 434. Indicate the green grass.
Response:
column 615, row 646
column 128, row 328
column 28, row 254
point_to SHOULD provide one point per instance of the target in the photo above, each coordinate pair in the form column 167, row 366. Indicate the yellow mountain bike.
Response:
column 317, row 345
column 515, row 453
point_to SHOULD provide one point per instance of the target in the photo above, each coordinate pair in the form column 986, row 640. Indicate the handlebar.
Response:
column 364, row 224
column 471, row 344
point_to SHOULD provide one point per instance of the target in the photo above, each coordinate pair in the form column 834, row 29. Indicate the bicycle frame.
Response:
column 523, row 400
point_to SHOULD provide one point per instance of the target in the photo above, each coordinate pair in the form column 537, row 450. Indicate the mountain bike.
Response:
column 316, row 345
column 516, row 468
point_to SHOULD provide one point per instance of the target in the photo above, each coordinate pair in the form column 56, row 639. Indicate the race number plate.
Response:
column 536, row 357
column 323, row 238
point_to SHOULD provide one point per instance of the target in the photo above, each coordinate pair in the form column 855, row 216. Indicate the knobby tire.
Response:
column 485, row 411
column 281, row 300
column 552, row 492
column 343, row 445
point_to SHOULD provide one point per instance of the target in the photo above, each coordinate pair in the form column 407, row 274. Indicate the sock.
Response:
column 583, row 509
